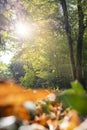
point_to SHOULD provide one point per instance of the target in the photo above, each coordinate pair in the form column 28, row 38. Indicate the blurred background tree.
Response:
column 48, row 56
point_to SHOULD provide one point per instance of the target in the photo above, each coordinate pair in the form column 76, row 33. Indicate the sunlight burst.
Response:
column 23, row 30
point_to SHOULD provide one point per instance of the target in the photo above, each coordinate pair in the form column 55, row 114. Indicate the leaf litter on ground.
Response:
column 28, row 109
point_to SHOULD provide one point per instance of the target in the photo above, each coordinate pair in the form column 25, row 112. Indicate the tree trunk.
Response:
column 81, row 29
column 69, row 37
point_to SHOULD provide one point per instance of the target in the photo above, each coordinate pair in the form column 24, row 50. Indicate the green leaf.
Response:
column 46, row 107
column 78, row 88
column 76, row 98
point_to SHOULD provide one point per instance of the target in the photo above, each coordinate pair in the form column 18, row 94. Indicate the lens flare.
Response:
column 23, row 30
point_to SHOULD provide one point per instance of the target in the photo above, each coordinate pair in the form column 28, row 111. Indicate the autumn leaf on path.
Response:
column 13, row 97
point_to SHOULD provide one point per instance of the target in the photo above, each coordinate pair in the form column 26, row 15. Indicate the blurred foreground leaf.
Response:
column 76, row 98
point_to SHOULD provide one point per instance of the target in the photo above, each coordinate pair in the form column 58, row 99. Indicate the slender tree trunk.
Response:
column 81, row 29
column 0, row 40
column 69, row 37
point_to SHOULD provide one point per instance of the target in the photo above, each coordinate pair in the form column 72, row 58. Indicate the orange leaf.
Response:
column 13, row 96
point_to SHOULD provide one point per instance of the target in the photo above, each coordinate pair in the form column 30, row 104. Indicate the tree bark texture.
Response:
column 69, row 37
column 81, row 29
